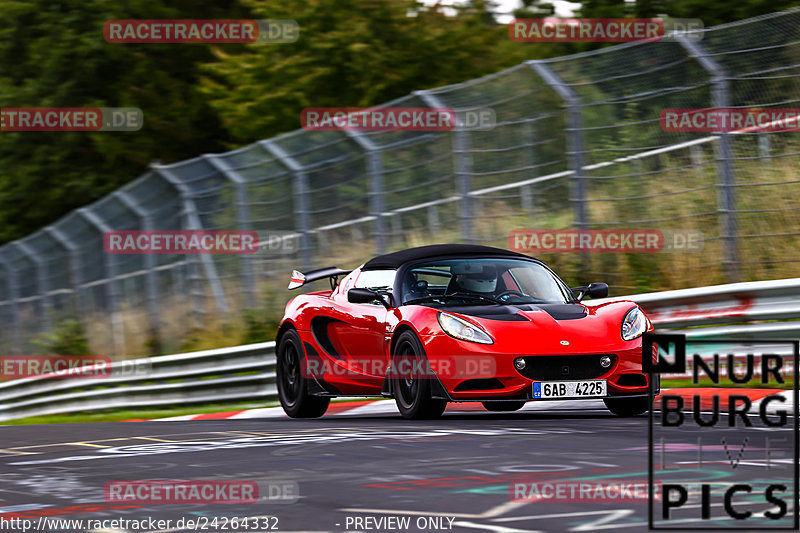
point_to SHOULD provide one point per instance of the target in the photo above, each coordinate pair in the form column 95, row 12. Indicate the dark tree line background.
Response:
column 209, row 98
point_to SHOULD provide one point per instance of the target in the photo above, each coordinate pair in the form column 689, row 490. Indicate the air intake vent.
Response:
column 479, row 384
column 632, row 380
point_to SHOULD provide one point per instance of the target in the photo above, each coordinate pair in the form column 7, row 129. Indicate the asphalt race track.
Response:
column 451, row 474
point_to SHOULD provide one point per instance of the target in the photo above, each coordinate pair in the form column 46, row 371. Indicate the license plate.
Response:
column 569, row 389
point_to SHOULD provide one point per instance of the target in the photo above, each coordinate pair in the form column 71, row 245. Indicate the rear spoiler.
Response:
column 299, row 278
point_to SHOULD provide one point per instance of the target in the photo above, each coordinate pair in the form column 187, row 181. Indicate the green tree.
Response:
column 53, row 54
column 711, row 13
column 352, row 53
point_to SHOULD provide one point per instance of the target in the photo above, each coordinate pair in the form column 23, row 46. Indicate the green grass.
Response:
column 137, row 414
column 152, row 412
column 705, row 382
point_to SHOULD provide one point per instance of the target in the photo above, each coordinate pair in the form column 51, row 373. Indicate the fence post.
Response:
column 300, row 193
column 462, row 165
column 117, row 333
column 73, row 251
column 720, row 98
column 526, row 192
column 151, row 287
column 375, row 170
column 433, row 219
column 764, row 146
column 575, row 144
column 243, row 220
column 13, row 295
column 193, row 222
column 41, row 279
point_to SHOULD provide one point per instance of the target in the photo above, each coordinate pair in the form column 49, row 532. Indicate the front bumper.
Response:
column 479, row 375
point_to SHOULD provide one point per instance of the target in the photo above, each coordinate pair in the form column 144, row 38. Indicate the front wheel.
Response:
column 411, row 380
column 508, row 405
column 292, row 385
column 627, row 406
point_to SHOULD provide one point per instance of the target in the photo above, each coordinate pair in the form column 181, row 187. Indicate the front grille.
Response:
column 554, row 367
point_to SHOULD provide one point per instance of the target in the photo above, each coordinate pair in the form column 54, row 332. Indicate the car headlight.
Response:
column 461, row 329
column 634, row 324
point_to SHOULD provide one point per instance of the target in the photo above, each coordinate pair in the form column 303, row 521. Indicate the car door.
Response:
column 360, row 334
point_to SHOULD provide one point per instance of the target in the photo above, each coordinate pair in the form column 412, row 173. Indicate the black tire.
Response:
column 413, row 394
column 292, row 385
column 627, row 406
column 508, row 405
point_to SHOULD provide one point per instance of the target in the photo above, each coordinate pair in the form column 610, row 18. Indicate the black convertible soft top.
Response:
column 396, row 259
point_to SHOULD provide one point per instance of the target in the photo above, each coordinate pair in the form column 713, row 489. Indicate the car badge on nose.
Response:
column 565, row 343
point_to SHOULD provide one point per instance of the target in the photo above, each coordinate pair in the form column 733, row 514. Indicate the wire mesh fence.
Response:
column 577, row 143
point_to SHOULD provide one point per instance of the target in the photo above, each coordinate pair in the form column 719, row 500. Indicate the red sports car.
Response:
column 455, row 323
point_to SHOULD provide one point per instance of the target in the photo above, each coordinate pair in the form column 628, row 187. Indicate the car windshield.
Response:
column 487, row 281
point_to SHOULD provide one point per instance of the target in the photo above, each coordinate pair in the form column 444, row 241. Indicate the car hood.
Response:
column 551, row 328
column 511, row 313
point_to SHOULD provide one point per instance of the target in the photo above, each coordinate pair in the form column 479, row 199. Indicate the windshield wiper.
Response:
column 456, row 295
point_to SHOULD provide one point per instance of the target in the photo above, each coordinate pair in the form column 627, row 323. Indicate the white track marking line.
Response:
column 378, row 407
column 558, row 515
column 498, row 529
column 553, row 405
column 264, row 412
column 489, row 513
column 388, row 407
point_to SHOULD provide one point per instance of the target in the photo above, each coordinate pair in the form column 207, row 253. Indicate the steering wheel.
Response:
column 506, row 294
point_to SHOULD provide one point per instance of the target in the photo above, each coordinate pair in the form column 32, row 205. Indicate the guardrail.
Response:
column 210, row 376
column 248, row 372
column 754, row 301
column 719, row 304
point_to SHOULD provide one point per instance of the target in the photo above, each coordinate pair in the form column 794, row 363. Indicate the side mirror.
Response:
column 367, row 296
column 593, row 290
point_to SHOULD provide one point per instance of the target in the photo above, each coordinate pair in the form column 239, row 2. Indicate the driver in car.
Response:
column 483, row 280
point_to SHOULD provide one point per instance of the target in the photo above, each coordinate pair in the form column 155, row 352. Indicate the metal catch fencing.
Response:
column 247, row 373
column 576, row 144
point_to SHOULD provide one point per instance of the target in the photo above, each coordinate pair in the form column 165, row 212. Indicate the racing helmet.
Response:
column 482, row 279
